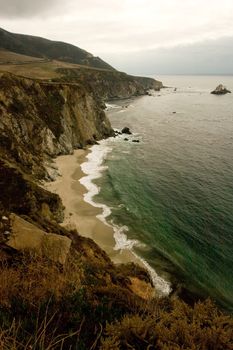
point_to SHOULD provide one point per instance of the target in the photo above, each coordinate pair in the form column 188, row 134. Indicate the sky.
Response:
column 136, row 36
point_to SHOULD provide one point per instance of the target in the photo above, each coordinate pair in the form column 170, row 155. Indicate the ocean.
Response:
column 170, row 196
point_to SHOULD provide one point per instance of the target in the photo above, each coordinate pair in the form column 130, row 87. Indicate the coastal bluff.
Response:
column 59, row 290
column 41, row 120
column 109, row 85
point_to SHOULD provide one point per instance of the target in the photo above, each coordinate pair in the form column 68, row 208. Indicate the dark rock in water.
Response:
column 126, row 139
column 174, row 112
column 220, row 90
column 136, row 141
column 126, row 130
column 117, row 132
column 92, row 142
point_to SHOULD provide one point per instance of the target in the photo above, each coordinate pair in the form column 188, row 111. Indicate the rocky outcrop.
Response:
column 108, row 85
column 126, row 130
column 220, row 90
column 42, row 120
column 39, row 121
column 25, row 236
column 21, row 195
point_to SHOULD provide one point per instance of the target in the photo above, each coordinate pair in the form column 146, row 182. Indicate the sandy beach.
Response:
column 80, row 214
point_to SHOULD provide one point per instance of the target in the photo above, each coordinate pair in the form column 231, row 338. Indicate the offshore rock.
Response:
column 220, row 90
column 126, row 130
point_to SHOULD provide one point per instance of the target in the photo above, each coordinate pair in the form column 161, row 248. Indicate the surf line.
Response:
column 93, row 168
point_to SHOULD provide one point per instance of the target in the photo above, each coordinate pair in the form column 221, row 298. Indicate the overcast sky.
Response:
column 138, row 36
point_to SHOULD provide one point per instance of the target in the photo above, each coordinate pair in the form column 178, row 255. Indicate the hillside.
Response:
column 47, row 49
column 59, row 290
column 105, row 84
column 38, row 58
column 108, row 85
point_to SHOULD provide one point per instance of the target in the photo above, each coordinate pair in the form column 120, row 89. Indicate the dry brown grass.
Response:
column 44, row 306
column 35, row 279
column 37, row 340
column 180, row 326
column 12, row 57
column 35, row 68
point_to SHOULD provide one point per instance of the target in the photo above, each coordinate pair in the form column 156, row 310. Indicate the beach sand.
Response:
column 80, row 214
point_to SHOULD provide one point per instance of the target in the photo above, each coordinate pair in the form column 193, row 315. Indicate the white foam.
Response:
column 162, row 287
column 93, row 168
column 110, row 106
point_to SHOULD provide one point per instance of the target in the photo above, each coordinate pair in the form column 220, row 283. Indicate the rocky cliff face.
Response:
column 110, row 84
column 39, row 121
column 42, row 120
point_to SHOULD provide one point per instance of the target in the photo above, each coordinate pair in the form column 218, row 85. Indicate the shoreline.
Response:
column 80, row 214
column 75, row 187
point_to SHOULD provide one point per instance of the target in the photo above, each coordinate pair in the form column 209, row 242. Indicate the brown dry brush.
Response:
column 202, row 327
column 44, row 306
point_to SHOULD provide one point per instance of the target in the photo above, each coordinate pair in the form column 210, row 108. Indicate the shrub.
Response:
column 203, row 327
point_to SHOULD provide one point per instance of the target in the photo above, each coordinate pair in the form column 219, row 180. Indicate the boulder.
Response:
column 136, row 141
column 26, row 236
column 125, row 139
column 126, row 130
column 220, row 90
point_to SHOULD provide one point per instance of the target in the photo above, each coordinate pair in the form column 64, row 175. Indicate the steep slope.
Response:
column 44, row 48
column 42, row 120
column 66, row 63
column 38, row 121
column 109, row 84
column 83, row 301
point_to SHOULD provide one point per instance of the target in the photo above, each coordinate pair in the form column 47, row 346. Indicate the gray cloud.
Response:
column 208, row 57
column 132, row 34
column 25, row 8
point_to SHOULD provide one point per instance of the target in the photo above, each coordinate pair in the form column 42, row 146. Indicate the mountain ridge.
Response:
column 36, row 46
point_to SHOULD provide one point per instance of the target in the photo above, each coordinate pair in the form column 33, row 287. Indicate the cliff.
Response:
column 42, row 120
column 59, row 290
column 42, row 263
column 39, row 58
column 109, row 84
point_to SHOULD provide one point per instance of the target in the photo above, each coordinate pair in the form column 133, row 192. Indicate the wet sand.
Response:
column 80, row 214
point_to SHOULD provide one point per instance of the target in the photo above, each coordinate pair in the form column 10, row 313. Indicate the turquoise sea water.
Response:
column 173, row 192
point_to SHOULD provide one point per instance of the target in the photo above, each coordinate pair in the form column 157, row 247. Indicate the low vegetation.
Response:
column 81, row 306
column 88, row 303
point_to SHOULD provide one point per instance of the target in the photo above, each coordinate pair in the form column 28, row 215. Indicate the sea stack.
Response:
column 126, row 130
column 220, row 90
